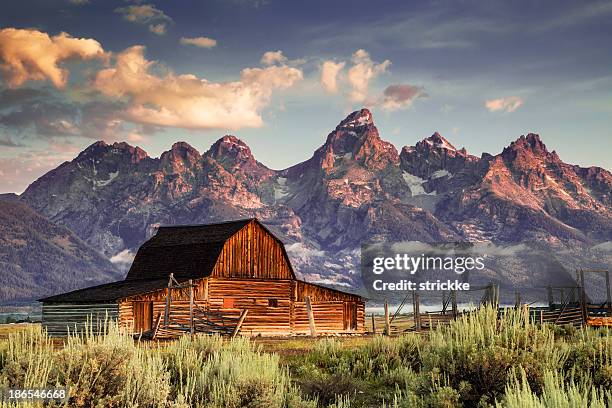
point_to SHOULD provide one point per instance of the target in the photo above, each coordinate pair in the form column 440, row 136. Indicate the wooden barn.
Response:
column 223, row 278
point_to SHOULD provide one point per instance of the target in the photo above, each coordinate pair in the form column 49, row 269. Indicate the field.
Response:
column 477, row 361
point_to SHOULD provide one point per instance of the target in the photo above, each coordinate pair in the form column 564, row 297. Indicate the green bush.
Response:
column 111, row 370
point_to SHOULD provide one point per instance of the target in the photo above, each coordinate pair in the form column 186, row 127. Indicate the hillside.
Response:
column 39, row 258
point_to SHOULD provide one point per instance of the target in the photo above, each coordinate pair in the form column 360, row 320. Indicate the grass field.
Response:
column 477, row 361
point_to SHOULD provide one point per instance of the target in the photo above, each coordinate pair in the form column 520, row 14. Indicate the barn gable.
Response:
column 253, row 252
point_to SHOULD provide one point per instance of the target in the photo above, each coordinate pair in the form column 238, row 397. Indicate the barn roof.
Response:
column 109, row 291
column 187, row 251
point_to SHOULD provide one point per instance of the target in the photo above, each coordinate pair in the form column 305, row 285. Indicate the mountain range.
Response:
column 356, row 187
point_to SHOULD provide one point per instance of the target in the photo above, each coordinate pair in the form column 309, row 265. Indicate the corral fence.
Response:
column 567, row 305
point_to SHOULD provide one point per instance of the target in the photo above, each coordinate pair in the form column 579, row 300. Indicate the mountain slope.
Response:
column 38, row 258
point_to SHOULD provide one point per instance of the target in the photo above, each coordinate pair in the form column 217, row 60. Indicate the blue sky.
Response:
column 480, row 73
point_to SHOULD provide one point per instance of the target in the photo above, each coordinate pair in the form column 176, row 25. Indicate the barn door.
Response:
column 350, row 316
column 143, row 316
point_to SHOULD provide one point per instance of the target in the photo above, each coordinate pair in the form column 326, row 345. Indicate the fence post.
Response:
column 583, row 300
column 191, row 307
column 168, row 299
column 243, row 316
column 311, row 320
column 417, row 312
column 454, row 303
column 373, row 324
column 541, row 317
column 549, row 292
column 387, row 323
column 608, row 297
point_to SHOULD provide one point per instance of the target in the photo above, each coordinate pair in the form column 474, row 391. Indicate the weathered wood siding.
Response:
column 252, row 253
column 59, row 319
column 320, row 293
column 179, row 304
column 329, row 316
column 256, row 296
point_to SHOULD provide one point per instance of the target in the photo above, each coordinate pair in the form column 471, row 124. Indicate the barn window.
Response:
column 273, row 302
column 228, row 303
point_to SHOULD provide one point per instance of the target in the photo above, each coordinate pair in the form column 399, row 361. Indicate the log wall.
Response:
column 320, row 293
column 256, row 296
column 330, row 318
column 59, row 319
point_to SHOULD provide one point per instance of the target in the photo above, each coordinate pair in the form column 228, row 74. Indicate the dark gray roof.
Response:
column 189, row 251
column 108, row 292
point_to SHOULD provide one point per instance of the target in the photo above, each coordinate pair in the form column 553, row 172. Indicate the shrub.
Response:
column 556, row 393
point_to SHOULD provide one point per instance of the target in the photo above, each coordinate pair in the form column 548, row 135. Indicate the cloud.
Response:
column 136, row 137
column 329, row 75
column 577, row 15
column 201, row 42
column 159, row 29
column 273, row 57
column 187, row 101
column 361, row 73
column 79, row 2
column 506, row 104
column 401, row 96
column 125, row 257
column 28, row 54
column 7, row 141
column 146, row 14
column 302, row 253
column 48, row 115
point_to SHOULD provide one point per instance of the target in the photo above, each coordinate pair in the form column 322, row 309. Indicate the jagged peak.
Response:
column 100, row 148
column 438, row 141
column 182, row 148
column 230, row 145
column 358, row 118
column 531, row 141
column 529, row 144
column 99, row 143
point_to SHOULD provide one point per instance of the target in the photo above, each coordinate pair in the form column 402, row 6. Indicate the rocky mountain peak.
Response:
column 357, row 138
column 438, row 141
column 230, row 147
column 180, row 150
column 101, row 149
column 530, row 142
column 436, row 155
column 528, row 152
column 357, row 119
column 180, row 157
column 234, row 154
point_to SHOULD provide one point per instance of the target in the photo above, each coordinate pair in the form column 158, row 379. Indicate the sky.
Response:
column 281, row 75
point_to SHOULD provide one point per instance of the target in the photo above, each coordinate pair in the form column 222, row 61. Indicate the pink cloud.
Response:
column 31, row 55
column 189, row 102
column 506, row 104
